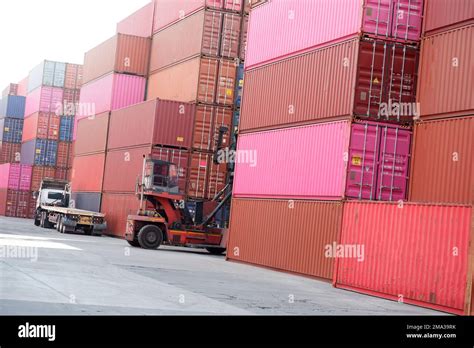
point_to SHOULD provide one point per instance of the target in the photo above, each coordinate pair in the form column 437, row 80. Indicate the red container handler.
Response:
column 415, row 253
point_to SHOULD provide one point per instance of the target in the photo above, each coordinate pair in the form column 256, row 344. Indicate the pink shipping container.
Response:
column 168, row 12
column 111, row 92
column 23, row 87
column 416, row 253
column 302, row 25
column 44, row 99
column 445, row 14
column 15, row 177
column 325, row 161
column 139, row 23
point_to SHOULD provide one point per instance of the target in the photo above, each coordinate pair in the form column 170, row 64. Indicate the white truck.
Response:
column 53, row 210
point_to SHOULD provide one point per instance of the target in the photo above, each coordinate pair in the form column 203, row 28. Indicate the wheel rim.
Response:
column 151, row 237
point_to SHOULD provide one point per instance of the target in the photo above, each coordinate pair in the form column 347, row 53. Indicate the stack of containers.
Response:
column 12, row 111
column 431, row 262
column 318, row 125
column 16, row 199
column 51, row 103
column 203, row 69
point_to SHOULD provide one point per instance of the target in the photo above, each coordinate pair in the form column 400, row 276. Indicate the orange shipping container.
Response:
column 92, row 134
column 446, row 74
column 41, row 125
column 286, row 235
column 443, row 161
column 39, row 173
column 121, row 54
column 116, row 208
column 65, row 155
column 88, row 173
column 205, row 80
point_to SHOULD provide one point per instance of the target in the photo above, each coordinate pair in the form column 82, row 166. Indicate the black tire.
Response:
column 88, row 231
column 63, row 229
column 134, row 243
column 216, row 251
column 43, row 220
column 37, row 221
column 150, row 237
column 59, row 223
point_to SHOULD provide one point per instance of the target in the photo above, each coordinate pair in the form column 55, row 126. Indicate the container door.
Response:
column 407, row 19
column 362, row 162
column 394, row 160
column 377, row 17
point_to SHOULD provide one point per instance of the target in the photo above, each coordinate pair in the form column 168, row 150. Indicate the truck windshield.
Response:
column 55, row 196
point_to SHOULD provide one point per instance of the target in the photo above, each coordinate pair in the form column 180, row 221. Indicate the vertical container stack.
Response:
column 427, row 243
column 51, row 105
column 12, row 112
column 326, row 117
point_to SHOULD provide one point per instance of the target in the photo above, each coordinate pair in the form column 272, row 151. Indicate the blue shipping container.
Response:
column 11, row 130
column 66, row 128
column 39, row 152
column 240, row 85
column 13, row 106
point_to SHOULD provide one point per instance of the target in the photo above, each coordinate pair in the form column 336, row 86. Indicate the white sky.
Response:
column 60, row 30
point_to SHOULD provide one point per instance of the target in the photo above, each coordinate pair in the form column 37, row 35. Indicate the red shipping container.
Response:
column 121, row 54
column 73, row 78
column 207, row 123
column 62, row 174
column 140, row 23
column 116, row 208
column 64, row 155
column 88, row 173
column 92, row 133
column 260, row 234
column 205, row 80
column 41, row 125
column 156, row 122
column 70, row 100
column 443, row 161
column 244, row 37
column 446, row 70
column 367, row 83
column 15, row 203
column 40, row 173
column 445, row 14
column 180, row 157
column 415, row 253
column 10, row 153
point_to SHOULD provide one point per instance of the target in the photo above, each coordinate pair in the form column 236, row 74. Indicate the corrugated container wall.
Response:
column 11, row 130
column 270, row 93
column 121, row 54
column 12, row 106
column 329, row 21
column 443, row 161
column 87, row 201
column 23, row 87
column 47, row 73
column 73, row 79
column 39, row 152
column 442, row 14
column 92, row 134
column 446, row 74
column 416, row 253
column 88, row 173
column 44, row 99
column 10, row 152
column 41, row 125
column 259, row 234
column 140, row 23
column 15, row 177
column 117, row 207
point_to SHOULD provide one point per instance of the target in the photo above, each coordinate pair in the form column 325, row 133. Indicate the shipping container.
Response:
column 116, row 208
column 71, row 98
column 244, row 37
column 11, row 89
column 73, row 78
column 446, row 69
column 39, row 173
column 89, row 201
column 416, row 254
column 205, row 80
column 239, row 86
column 92, row 134
column 44, row 99
column 121, row 54
column 88, row 173
column 260, row 234
column 325, row 161
column 111, row 92
column 156, row 122
column 39, row 152
column 330, row 21
column 15, row 177
column 23, row 87
column 14, row 203
column 65, row 155
column 440, row 15
column 62, row 174
column 140, row 23
column 443, row 161
column 375, row 80
column 12, row 106
column 66, row 128
column 10, row 152
column 169, row 12
column 209, row 119
column 41, row 125
column 47, row 73
column 180, row 157
column 206, row 32
column 11, row 130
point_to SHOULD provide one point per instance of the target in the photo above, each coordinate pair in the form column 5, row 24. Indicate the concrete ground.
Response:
column 80, row 275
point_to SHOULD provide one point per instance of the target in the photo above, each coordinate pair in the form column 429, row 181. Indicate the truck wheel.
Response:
column 43, row 220
column 216, row 251
column 150, row 237
column 37, row 221
column 59, row 223
column 88, row 231
column 134, row 243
